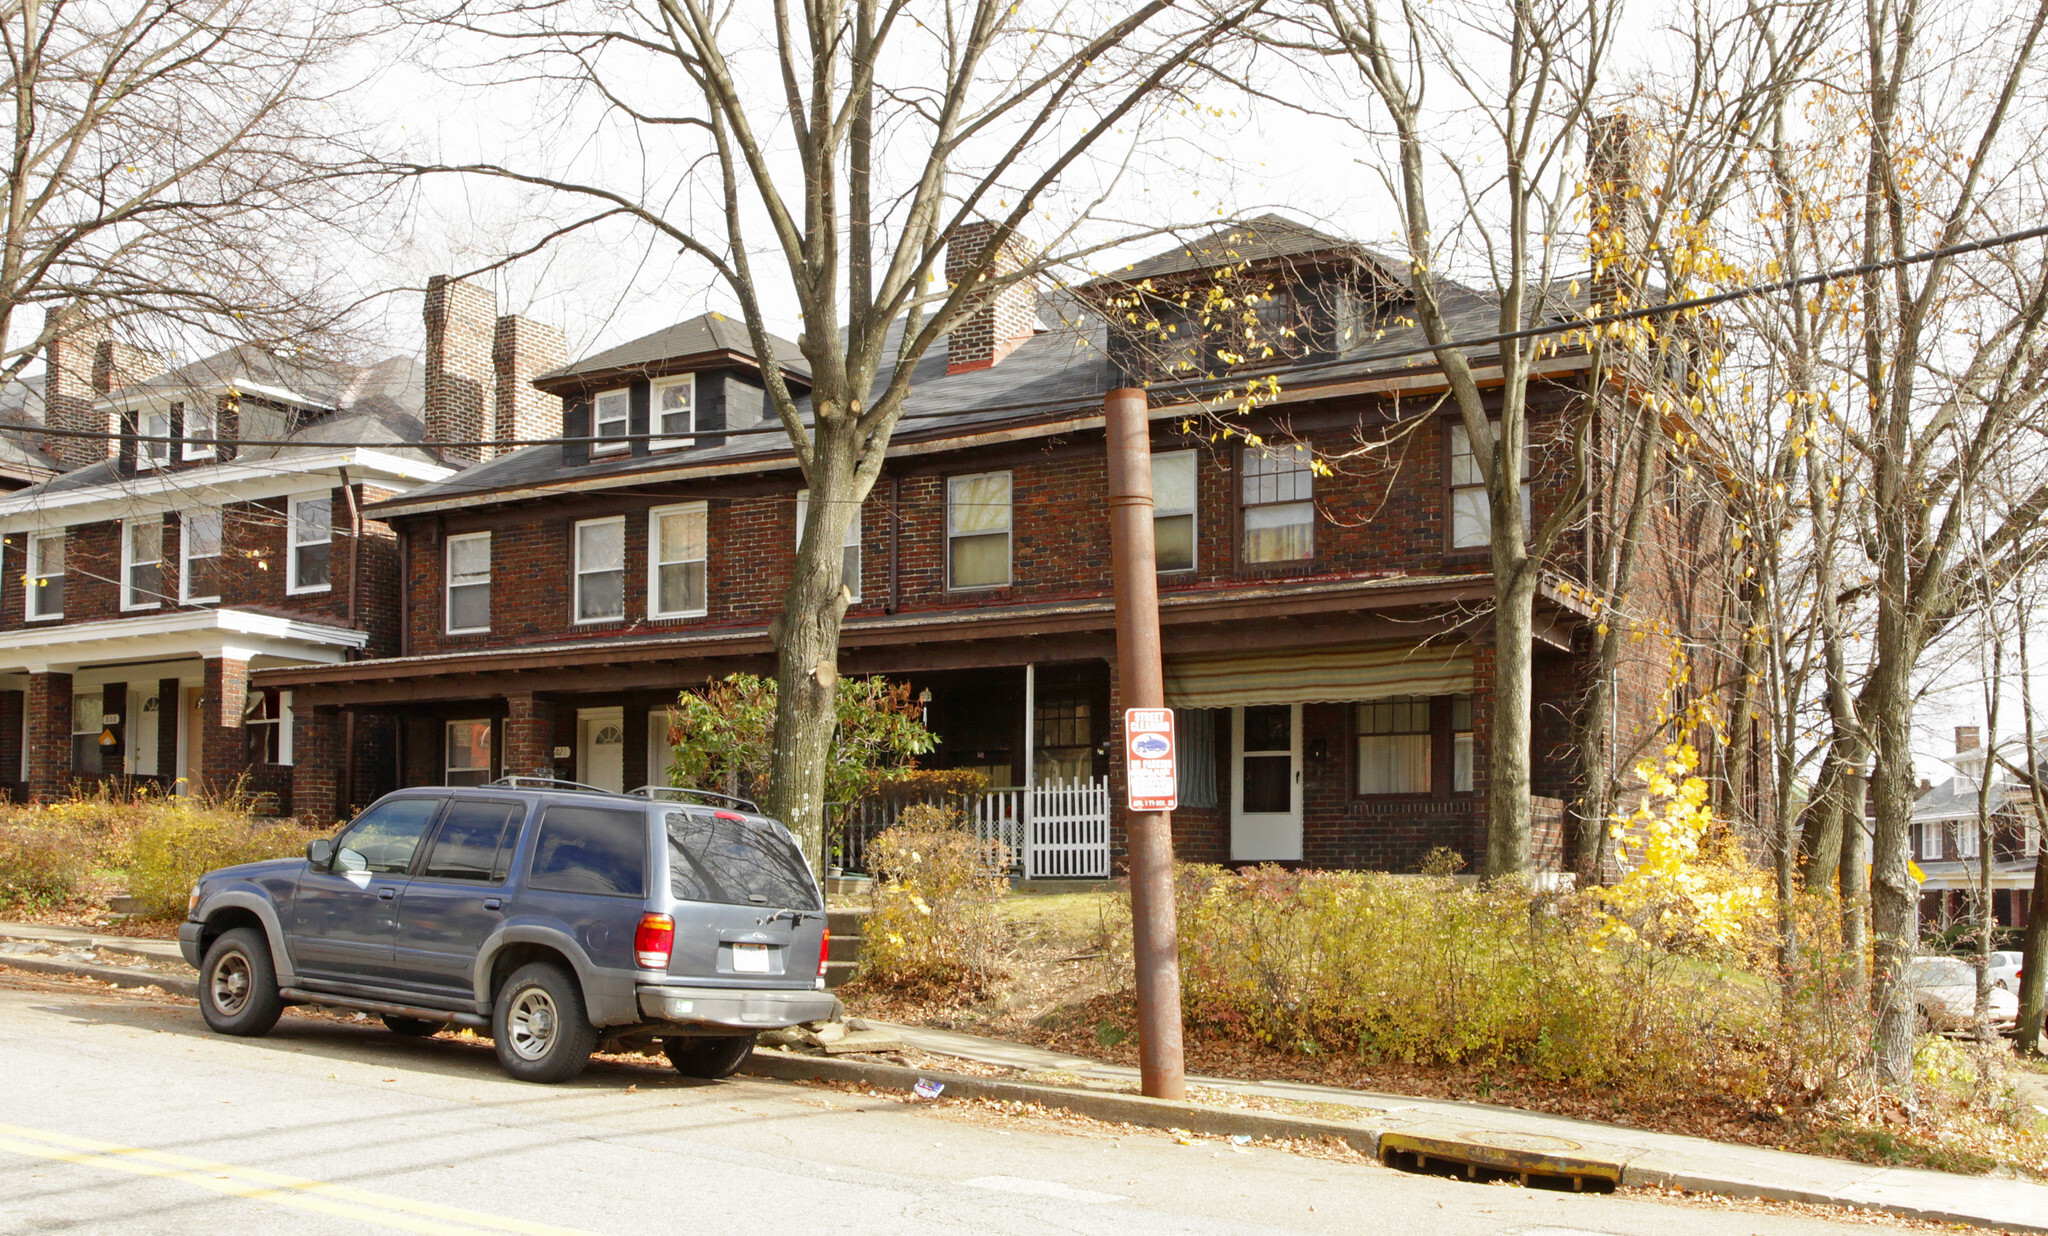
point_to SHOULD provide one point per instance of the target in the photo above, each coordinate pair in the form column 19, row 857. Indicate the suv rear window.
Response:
column 591, row 850
column 736, row 862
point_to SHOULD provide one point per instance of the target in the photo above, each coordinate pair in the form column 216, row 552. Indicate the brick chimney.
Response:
column 71, row 363
column 1619, row 218
column 116, row 364
column 1966, row 738
column 461, row 320
column 1004, row 319
column 523, row 348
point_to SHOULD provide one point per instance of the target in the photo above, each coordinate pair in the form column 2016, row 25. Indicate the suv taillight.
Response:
column 653, row 940
column 824, row 952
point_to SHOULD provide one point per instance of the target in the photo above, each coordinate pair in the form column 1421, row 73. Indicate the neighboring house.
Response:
column 1948, row 841
column 145, row 580
column 24, row 456
column 1325, row 637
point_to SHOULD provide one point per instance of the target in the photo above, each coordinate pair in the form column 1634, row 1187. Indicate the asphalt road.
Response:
column 122, row 1113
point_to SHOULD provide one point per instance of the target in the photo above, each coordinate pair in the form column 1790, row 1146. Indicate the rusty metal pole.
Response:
column 1134, row 567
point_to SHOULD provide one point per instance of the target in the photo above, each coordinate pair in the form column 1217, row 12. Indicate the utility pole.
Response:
column 1134, row 566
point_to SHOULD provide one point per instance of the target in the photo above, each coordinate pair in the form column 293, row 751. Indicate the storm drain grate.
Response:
column 1484, row 1156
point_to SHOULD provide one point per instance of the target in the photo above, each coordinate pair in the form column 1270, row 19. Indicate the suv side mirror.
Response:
column 320, row 853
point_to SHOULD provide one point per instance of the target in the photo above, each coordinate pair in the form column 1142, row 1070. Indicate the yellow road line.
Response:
column 257, row 1184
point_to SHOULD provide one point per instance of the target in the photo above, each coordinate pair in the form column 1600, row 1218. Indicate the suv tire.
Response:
column 539, row 1025
column 413, row 1027
column 707, row 1057
column 238, row 984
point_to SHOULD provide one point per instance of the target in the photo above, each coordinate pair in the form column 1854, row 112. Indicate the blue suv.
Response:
column 558, row 918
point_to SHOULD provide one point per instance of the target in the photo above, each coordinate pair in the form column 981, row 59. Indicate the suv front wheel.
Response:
column 238, row 984
column 709, row 1057
column 539, row 1025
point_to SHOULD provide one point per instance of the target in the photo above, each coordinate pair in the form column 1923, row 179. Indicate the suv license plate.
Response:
column 750, row 958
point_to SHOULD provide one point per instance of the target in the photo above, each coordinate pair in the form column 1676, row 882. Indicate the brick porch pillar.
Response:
column 223, row 746
column 316, row 765
column 49, row 736
column 529, row 736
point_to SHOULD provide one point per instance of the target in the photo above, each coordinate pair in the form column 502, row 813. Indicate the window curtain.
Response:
column 1194, row 743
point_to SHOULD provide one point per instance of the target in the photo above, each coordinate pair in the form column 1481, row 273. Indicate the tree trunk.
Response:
column 1854, row 877
column 1894, row 903
column 1514, row 624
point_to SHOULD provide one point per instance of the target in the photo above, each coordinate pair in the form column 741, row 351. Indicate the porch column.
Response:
column 1030, row 765
column 223, row 746
column 316, row 765
column 529, row 736
column 49, row 736
column 170, row 718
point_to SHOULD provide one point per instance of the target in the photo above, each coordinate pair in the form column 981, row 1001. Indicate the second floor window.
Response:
column 310, row 539
column 611, row 414
column 675, row 405
column 201, row 428
column 978, row 530
column 142, row 563
column 469, row 583
column 199, row 550
column 1969, row 842
column 679, row 550
column 46, row 574
column 153, row 450
column 1279, row 505
column 849, row 559
column 1471, row 508
column 601, row 569
column 1173, row 510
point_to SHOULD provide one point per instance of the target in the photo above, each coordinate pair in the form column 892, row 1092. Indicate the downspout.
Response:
column 355, row 583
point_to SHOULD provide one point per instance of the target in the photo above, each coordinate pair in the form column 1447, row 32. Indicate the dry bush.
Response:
column 935, row 931
column 39, row 866
column 180, row 839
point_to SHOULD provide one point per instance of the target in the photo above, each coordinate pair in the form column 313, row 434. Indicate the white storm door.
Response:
column 601, row 754
column 142, row 721
column 1265, row 783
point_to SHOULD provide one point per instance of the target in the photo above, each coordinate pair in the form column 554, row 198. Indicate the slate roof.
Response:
column 1265, row 238
column 1061, row 371
column 707, row 332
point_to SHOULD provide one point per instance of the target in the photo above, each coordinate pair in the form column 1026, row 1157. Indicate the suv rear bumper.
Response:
column 742, row 1010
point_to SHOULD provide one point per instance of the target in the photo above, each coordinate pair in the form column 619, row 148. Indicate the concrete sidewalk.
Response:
column 1379, row 1123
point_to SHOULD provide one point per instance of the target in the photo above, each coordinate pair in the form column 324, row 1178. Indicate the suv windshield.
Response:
column 738, row 862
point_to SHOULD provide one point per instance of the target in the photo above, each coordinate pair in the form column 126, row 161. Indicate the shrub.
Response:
column 936, row 929
column 180, row 839
column 40, row 866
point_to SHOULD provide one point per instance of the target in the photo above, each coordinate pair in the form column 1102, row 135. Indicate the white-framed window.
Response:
column 45, row 574
column 849, row 556
column 1969, row 842
column 88, row 721
column 202, row 430
column 1279, row 504
column 267, row 726
column 199, row 557
column 611, row 416
column 469, row 753
column 469, row 583
column 601, row 569
column 678, row 561
column 1471, row 509
column 142, row 562
column 310, row 538
column 153, row 442
column 1173, row 510
column 674, row 411
column 1927, row 840
column 1462, row 747
column 1394, row 746
column 978, row 530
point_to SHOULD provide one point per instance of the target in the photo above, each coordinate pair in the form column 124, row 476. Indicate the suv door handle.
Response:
column 386, row 894
column 492, row 903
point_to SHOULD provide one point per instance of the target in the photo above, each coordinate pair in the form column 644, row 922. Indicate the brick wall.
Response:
column 461, row 323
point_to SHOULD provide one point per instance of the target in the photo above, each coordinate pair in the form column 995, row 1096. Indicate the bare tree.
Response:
column 836, row 149
column 170, row 163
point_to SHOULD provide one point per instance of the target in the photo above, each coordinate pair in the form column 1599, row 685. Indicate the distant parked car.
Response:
column 2005, row 970
column 1945, row 991
column 556, row 918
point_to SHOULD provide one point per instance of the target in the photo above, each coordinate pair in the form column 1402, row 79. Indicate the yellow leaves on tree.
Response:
column 1688, row 883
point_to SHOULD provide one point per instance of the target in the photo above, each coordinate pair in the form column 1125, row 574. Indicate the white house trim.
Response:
column 188, row 633
column 224, row 483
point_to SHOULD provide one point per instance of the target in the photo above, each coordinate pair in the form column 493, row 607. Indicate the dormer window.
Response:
column 153, row 449
column 610, row 417
column 675, row 412
column 202, row 427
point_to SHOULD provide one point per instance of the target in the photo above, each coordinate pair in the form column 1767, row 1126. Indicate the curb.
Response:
column 176, row 985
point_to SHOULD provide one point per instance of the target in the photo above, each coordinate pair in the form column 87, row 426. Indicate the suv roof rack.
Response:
column 658, row 791
column 548, row 783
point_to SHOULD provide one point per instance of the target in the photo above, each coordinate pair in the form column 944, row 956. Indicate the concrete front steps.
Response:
column 844, row 953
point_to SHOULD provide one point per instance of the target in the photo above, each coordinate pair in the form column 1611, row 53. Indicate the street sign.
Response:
column 1148, row 759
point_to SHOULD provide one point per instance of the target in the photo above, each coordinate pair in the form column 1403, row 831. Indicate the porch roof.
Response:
column 1239, row 617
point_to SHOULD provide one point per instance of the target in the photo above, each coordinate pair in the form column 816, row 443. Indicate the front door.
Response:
column 601, row 753
column 1265, row 783
column 143, row 715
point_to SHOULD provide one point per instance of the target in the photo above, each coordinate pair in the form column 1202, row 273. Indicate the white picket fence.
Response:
column 1062, row 833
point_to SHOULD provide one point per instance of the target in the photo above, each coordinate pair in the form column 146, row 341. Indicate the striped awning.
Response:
column 1317, row 675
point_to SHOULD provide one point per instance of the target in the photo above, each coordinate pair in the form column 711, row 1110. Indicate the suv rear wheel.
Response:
column 707, row 1057
column 238, row 984
column 538, row 1022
